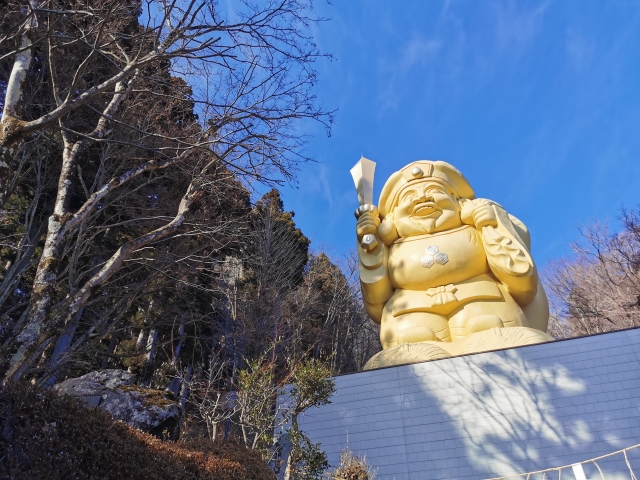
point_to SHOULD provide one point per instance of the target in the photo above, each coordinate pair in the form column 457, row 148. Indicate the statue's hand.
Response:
column 484, row 215
column 479, row 213
column 368, row 223
column 368, row 220
column 362, row 209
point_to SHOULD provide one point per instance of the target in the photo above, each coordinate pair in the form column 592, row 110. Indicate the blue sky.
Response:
column 537, row 103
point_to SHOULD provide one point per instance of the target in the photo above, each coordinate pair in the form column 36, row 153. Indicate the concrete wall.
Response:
column 492, row 414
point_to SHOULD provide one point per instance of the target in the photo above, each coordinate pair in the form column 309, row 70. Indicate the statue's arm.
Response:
column 374, row 275
column 507, row 246
column 374, row 280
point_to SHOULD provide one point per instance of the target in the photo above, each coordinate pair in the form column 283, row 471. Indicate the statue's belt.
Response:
column 446, row 298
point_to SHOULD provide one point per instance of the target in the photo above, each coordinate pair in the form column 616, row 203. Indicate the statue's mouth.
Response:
column 425, row 209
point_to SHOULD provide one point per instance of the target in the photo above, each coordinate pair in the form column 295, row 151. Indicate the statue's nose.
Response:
column 424, row 198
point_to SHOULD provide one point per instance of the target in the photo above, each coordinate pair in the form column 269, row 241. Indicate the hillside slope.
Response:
column 43, row 435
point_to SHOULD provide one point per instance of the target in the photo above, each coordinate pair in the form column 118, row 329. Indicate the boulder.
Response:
column 152, row 411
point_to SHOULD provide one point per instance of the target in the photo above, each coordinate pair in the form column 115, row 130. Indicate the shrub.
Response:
column 353, row 467
column 43, row 435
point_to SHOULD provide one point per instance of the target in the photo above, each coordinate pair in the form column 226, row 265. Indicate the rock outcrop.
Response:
column 152, row 411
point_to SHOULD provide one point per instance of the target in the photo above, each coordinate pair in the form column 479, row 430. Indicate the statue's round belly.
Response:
column 425, row 261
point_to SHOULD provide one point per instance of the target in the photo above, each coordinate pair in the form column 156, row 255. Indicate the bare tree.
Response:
column 598, row 289
column 210, row 395
column 326, row 316
column 103, row 82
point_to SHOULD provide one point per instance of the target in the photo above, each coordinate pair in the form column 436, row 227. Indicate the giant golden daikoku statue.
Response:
column 442, row 272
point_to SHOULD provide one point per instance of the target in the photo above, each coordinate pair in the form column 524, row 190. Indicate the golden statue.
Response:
column 442, row 272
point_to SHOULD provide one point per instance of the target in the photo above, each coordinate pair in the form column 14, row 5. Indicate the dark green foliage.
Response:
column 44, row 436
column 269, row 213
column 312, row 386
column 257, row 391
column 308, row 461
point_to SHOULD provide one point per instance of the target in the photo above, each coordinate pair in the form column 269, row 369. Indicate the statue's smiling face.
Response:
column 426, row 207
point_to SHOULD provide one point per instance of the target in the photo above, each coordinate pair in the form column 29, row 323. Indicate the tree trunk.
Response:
column 151, row 346
column 13, row 105
column 113, row 341
column 142, row 339
column 62, row 347
column 288, row 473
column 176, row 351
column 47, row 272
column 174, row 384
column 184, row 393
column 41, row 298
column 34, row 334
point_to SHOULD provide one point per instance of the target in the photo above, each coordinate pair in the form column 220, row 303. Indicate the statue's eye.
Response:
column 434, row 190
column 409, row 196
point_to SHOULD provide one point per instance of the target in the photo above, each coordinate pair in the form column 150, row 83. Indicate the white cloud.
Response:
column 418, row 51
column 579, row 50
column 516, row 25
column 317, row 183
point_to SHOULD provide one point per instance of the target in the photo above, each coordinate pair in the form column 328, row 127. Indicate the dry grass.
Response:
column 43, row 435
